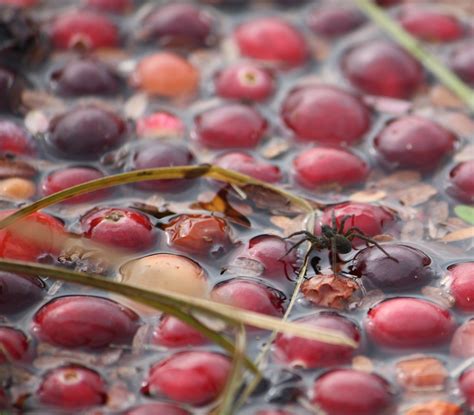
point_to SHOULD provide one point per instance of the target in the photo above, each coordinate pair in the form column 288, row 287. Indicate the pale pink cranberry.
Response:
column 462, row 285
column 462, row 344
column 160, row 124
column 461, row 182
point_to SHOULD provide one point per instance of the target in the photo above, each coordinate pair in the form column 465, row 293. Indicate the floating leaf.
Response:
column 466, row 213
column 329, row 290
column 435, row 408
column 459, row 235
column 421, row 373
column 367, row 196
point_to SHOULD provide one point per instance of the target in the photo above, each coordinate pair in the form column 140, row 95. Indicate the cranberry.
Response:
column 407, row 268
column 84, row 28
column 72, row 387
column 461, row 184
column 462, row 285
column 18, row 292
column 196, row 378
column 348, row 391
column 20, row 3
column 172, row 332
column 11, row 90
column 14, row 139
column 85, row 132
column 325, row 114
column 160, row 124
column 4, row 401
column 157, row 408
column 466, row 384
column 320, row 167
column 199, row 234
column 230, row 125
column 123, row 228
column 409, row 323
column 310, row 354
column 13, row 345
column 388, row 3
column 273, row 40
column 246, row 81
column 462, row 62
column 379, row 67
column 85, row 76
column 178, row 24
column 155, row 154
column 84, row 321
column 250, row 295
column 111, row 6
column 432, row 26
column 247, row 164
column 334, row 21
column 414, row 142
column 462, row 344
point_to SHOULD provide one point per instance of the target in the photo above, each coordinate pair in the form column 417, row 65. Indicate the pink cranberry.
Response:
column 250, row 295
column 72, row 387
column 14, row 139
column 273, row 40
column 334, row 21
column 196, row 378
column 325, row 114
column 160, row 124
column 466, row 384
column 407, row 323
column 247, row 164
column 462, row 62
column 348, row 391
column 13, row 345
column 462, row 344
column 414, row 142
column 311, row 354
column 230, row 125
column 379, row 67
column 111, row 6
column 462, row 285
column 321, row 167
column 18, row 293
column 461, row 183
column 157, row 408
column 84, row 321
column 172, row 332
column 85, row 28
column 123, row 228
column 246, row 81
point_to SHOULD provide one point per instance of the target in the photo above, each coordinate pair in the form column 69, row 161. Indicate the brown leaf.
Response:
column 467, row 153
column 442, row 97
column 329, row 290
column 416, row 195
column 288, row 225
column 459, row 123
column 362, row 363
column 435, row 408
column 275, row 148
column 367, row 196
column 459, row 235
column 15, row 168
column 399, row 180
column 421, row 373
column 413, row 229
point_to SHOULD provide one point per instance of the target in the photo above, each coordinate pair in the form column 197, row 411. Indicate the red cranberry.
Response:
column 247, row 164
column 408, row 268
column 178, row 24
column 246, row 81
column 14, row 139
column 157, row 408
column 380, row 67
column 462, row 344
column 84, row 321
column 466, row 384
column 72, row 387
column 462, row 62
column 431, row 25
column 409, row 323
column 348, row 391
column 85, row 132
column 334, row 21
column 111, row 6
column 230, row 125
column 18, row 292
column 13, row 345
column 85, row 28
column 273, row 40
column 320, row 167
column 310, row 354
column 414, row 142
column 461, row 183
column 325, row 114
column 172, row 332
column 20, row 3
column 85, row 76
column 462, row 285
column 250, row 295
column 160, row 124
column 195, row 378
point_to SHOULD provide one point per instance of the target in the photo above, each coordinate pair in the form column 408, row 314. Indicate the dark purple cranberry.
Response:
column 11, row 88
column 462, row 62
column 334, row 21
column 461, row 181
column 18, row 292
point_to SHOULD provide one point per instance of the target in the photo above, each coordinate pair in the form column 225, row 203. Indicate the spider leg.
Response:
column 305, row 233
column 333, row 256
column 295, row 246
column 333, row 220
column 352, row 230
column 344, row 219
column 365, row 238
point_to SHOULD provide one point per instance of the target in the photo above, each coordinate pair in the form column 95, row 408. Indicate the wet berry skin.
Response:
column 72, row 387
column 462, row 62
column 414, row 142
column 195, row 378
column 461, row 277
column 247, row 164
column 311, row 354
column 122, row 228
column 333, row 22
column 110, row 6
column 15, row 140
column 322, row 167
column 325, row 114
column 466, row 384
column 462, row 343
column 348, row 391
column 461, row 183
column 172, row 332
column 379, row 67
column 18, row 293
column 409, row 323
column 157, row 408
column 271, row 40
column 84, row 321
column 13, row 345
column 230, row 126
column 85, row 132
column 377, row 270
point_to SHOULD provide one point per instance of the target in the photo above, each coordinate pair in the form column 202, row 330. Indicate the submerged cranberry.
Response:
column 462, row 62
column 325, row 114
column 414, row 142
column 321, row 167
column 85, row 132
column 11, row 90
column 461, row 183
column 160, row 124
column 14, row 139
column 247, row 164
column 18, row 293
column 273, row 40
column 334, row 21
column 297, row 351
column 196, row 378
column 157, row 408
column 172, row 332
column 466, row 384
column 379, row 67
column 4, row 401
column 72, row 387
column 462, row 285
column 84, row 321
column 462, row 344
column 348, row 391
column 407, row 268
column 230, row 126
column 111, row 6
column 409, row 323
column 13, row 345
